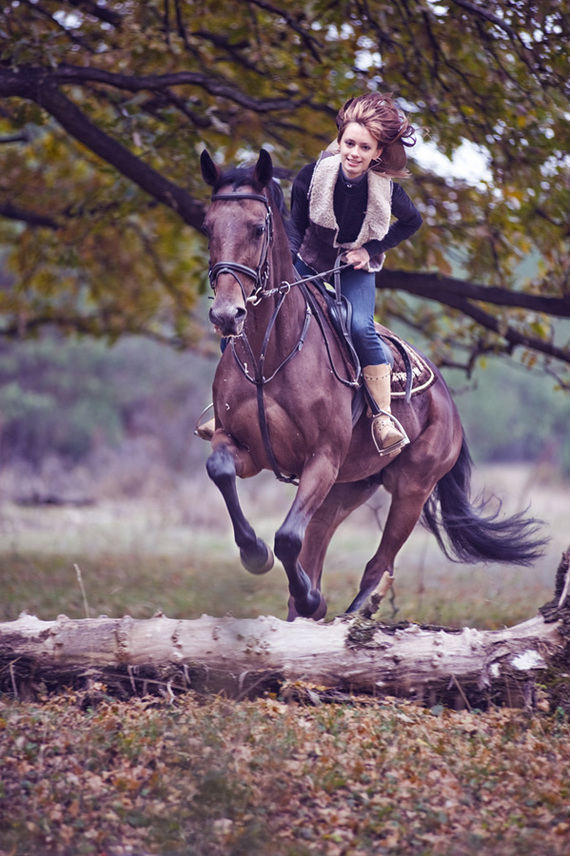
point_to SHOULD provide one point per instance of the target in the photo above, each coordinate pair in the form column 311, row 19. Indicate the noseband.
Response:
column 260, row 274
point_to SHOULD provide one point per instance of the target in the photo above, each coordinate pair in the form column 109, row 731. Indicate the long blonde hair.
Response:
column 387, row 123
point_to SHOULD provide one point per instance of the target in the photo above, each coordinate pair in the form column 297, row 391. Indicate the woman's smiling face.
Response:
column 358, row 148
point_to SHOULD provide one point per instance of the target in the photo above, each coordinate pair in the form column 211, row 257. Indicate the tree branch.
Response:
column 96, row 10
column 12, row 212
column 38, row 86
column 153, row 82
column 488, row 16
column 308, row 40
column 416, row 284
column 36, row 9
column 442, row 288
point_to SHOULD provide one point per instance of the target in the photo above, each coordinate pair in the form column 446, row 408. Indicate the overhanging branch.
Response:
column 160, row 82
column 38, row 86
column 32, row 218
column 458, row 294
column 433, row 286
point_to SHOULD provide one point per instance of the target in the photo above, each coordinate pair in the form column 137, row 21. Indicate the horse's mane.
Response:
column 239, row 176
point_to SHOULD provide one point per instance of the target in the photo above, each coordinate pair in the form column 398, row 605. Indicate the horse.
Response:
column 282, row 404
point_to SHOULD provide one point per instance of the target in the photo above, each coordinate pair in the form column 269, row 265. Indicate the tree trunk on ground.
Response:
column 520, row 666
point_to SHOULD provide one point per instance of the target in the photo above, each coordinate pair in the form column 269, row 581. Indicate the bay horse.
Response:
column 281, row 404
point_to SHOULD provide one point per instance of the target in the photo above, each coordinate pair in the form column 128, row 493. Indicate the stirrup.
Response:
column 398, row 445
column 201, row 425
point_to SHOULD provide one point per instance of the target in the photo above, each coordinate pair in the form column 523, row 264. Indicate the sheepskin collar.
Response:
column 321, row 201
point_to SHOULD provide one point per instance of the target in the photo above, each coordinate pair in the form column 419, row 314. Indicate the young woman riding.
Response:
column 344, row 204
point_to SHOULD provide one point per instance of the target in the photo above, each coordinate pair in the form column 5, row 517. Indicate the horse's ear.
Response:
column 210, row 172
column 263, row 171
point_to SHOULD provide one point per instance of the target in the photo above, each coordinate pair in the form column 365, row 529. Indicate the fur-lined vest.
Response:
column 320, row 246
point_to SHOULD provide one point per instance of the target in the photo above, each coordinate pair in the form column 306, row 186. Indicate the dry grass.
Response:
column 176, row 552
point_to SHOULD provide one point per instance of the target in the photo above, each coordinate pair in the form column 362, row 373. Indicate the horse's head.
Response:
column 239, row 228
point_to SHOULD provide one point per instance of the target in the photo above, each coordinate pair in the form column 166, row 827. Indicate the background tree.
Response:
column 106, row 106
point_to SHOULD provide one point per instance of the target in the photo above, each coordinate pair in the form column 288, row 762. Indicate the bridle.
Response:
column 260, row 274
column 260, row 277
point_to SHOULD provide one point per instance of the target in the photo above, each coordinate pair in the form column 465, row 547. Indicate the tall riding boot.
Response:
column 388, row 434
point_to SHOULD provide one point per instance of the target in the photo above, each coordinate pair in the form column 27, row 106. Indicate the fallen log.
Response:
column 244, row 657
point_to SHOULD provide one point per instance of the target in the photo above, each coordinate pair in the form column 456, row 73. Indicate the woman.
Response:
column 343, row 204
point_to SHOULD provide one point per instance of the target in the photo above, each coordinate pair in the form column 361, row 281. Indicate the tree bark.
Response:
column 314, row 661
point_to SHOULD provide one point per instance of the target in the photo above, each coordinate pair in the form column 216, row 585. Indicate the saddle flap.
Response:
column 340, row 312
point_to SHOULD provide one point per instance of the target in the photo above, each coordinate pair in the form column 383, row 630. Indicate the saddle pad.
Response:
column 423, row 375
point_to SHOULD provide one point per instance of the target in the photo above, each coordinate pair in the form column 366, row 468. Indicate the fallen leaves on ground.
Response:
column 212, row 777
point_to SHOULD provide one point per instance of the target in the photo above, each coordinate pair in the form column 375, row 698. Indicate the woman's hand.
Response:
column 358, row 258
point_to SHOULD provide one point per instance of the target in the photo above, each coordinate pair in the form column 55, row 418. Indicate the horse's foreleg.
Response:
column 316, row 481
column 255, row 555
column 341, row 501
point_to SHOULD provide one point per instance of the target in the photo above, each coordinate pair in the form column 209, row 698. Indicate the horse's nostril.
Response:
column 228, row 319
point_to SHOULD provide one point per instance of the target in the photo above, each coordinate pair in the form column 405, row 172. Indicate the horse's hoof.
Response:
column 260, row 562
column 307, row 606
column 367, row 602
column 358, row 602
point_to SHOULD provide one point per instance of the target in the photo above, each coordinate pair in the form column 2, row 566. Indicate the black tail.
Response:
column 466, row 534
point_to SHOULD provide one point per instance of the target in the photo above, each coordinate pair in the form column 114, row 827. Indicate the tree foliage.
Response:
column 106, row 106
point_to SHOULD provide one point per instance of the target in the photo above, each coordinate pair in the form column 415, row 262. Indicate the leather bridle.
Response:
column 260, row 277
column 260, row 274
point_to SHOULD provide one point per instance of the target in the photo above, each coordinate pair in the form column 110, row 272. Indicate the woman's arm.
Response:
column 408, row 221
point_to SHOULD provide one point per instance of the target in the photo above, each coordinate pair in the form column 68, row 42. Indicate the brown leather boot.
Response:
column 388, row 435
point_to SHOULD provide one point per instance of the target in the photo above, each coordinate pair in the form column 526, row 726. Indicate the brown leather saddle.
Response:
column 411, row 371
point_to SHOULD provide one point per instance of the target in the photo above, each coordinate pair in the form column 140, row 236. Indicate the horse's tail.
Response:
column 466, row 533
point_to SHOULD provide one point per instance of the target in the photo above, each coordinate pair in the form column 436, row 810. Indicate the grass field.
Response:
column 84, row 773
column 176, row 553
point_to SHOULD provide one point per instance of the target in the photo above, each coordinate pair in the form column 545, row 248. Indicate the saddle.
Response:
column 411, row 373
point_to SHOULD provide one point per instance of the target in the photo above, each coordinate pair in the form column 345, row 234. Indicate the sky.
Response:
column 469, row 162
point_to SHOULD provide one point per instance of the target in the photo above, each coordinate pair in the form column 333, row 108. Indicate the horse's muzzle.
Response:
column 229, row 319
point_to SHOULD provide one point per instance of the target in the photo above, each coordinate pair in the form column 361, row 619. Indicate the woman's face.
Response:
column 357, row 149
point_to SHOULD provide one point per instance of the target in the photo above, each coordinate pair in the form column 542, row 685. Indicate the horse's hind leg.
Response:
column 255, row 555
column 405, row 510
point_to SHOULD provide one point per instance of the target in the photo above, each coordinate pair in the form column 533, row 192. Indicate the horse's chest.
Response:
column 296, row 409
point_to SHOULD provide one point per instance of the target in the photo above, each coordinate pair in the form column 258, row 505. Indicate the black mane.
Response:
column 239, row 176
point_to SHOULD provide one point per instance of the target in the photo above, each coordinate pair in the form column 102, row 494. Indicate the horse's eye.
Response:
column 259, row 231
